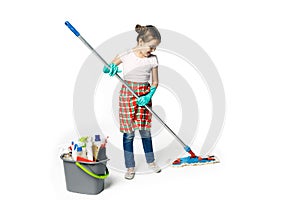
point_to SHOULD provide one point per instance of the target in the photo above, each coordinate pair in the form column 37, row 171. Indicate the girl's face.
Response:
column 146, row 48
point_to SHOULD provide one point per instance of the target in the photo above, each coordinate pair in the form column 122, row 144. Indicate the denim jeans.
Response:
column 128, row 147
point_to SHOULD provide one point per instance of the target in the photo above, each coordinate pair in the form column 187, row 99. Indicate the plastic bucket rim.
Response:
column 82, row 162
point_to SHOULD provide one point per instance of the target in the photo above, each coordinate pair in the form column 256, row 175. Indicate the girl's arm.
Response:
column 112, row 68
column 155, row 76
column 117, row 60
column 144, row 100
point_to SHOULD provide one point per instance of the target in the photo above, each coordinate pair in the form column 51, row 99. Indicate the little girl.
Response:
column 138, row 64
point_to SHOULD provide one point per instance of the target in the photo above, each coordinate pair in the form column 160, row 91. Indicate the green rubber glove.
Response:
column 112, row 70
column 144, row 100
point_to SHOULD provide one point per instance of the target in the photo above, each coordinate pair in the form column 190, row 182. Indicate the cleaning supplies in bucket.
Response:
column 85, row 169
column 86, row 149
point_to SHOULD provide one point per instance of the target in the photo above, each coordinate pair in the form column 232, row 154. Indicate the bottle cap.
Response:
column 79, row 149
column 97, row 138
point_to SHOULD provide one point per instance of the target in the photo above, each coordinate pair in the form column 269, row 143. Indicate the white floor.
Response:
column 239, row 175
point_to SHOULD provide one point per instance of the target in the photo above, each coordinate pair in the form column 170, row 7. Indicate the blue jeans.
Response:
column 128, row 147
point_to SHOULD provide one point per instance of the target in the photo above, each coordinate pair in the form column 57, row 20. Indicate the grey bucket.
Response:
column 85, row 177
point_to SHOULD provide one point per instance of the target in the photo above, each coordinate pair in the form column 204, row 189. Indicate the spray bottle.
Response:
column 70, row 149
column 103, row 144
column 96, row 146
column 89, row 149
column 74, row 151
column 82, row 142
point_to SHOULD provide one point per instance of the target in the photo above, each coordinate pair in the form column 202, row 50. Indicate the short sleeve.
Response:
column 154, row 61
column 123, row 56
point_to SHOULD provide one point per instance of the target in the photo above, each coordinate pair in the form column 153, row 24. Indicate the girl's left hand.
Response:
column 112, row 70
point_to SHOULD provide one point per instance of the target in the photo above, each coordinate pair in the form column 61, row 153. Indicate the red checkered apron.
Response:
column 132, row 116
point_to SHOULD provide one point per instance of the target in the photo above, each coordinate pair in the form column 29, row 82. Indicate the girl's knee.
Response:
column 128, row 136
column 145, row 133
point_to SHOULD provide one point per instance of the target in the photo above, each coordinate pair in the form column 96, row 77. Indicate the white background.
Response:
column 254, row 45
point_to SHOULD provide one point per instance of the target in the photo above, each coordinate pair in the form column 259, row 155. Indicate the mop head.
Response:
column 194, row 161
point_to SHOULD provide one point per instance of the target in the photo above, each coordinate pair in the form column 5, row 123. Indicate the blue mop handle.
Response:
column 69, row 25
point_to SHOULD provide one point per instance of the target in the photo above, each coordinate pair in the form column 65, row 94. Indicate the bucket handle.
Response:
column 93, row 174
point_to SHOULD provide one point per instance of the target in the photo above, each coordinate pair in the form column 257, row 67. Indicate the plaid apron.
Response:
column 133, row 117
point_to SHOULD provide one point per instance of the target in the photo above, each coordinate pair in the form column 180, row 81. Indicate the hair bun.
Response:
column 140, row 29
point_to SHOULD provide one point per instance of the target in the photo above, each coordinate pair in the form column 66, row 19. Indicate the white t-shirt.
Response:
column 137, row 69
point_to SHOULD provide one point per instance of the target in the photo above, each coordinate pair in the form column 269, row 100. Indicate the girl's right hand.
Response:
column 112, row 70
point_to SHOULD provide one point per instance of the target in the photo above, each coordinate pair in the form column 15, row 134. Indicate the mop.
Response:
column 189, row 160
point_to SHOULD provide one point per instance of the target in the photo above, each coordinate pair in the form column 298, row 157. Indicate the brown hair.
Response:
column 147, row 33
